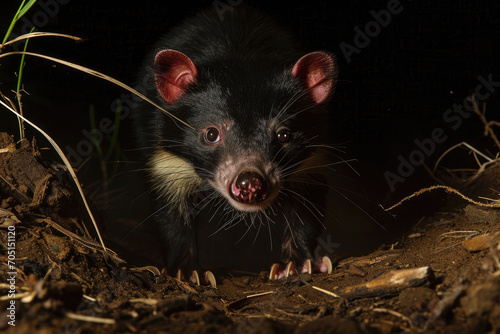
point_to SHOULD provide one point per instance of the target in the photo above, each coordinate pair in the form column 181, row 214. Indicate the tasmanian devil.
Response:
column 250, row 146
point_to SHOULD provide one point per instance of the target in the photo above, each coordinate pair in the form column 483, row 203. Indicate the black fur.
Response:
column 244, row 76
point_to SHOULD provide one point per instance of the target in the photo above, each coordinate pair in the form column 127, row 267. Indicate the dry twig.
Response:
column 87, row 318
column 326, row 291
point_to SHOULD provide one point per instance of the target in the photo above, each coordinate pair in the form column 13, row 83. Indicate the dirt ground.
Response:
column 442, row 276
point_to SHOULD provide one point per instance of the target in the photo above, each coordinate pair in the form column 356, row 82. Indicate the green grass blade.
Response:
column 20, row 12
column 26, row 8
column 18, row 88
column 21, row 67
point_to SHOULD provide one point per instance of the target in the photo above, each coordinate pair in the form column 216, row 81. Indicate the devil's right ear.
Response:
column 174, row 71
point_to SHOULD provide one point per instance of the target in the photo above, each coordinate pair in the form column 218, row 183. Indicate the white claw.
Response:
column 290, row 269
column 180, row 275
column 195, row 278
column 274, row 272
column 328, row 263
column 211, row 278
column 307, row 268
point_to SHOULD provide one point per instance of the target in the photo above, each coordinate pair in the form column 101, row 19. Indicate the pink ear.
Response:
column 174, row 71
column 318, row 72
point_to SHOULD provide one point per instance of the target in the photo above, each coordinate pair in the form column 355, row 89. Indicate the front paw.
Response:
column 321, row 265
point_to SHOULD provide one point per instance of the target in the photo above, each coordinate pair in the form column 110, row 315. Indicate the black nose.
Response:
column 249, row 187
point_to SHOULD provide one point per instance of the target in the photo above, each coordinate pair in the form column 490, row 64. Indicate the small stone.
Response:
column 481, row 242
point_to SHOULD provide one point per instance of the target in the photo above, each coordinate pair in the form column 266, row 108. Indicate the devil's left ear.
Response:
column 318, row 72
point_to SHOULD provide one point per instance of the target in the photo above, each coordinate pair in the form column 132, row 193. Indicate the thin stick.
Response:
column 89, row 298
column 87, row 318
column 260, row 294
column 147, row 301
column 327, row 292
column 17, row 296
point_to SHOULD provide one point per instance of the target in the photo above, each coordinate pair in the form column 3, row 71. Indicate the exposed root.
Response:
column 475, row 152
column 458, row 235
column 447, row 189
column 488, row 130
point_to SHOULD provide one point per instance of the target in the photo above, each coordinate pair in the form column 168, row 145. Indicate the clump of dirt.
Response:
column 441, row 277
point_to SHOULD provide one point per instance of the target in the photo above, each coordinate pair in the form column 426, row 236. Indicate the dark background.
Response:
column 393, row 92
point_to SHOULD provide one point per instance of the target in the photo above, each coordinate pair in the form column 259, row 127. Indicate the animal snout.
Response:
column 249, row 187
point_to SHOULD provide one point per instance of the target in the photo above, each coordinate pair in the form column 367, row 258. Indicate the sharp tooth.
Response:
column 180, row 275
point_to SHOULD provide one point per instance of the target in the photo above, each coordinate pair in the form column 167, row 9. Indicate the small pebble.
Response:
column 481, row 242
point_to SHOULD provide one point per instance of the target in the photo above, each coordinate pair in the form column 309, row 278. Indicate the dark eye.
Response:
column 212, row 136
column 283, row 136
